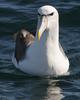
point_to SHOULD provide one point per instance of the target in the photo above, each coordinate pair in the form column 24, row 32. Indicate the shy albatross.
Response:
column 41, row 55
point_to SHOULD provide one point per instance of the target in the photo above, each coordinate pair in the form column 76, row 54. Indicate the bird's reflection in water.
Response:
column 42, row 89
column 47, row 90
column 54, row 93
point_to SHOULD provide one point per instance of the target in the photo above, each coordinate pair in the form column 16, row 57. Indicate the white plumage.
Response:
column 45, row 56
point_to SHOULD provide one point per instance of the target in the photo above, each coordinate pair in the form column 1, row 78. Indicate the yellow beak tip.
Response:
column 39, row 36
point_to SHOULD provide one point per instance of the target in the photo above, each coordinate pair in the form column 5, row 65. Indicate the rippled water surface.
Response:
column 16, row 85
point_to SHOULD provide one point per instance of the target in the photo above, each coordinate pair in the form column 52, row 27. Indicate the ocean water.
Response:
column 16, row 85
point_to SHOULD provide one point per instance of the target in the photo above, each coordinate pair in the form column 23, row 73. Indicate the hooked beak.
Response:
column 42, row 24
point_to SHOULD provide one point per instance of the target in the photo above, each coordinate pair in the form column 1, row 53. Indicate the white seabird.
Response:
column 42, row 55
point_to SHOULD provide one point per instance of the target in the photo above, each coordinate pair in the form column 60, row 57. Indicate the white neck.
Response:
column 53, row 33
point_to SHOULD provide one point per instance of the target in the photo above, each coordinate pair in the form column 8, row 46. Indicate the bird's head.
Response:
column 47, row 18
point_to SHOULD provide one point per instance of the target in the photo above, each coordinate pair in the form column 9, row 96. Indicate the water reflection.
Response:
column 42, row 89
column 39, row 89
column 54, row 93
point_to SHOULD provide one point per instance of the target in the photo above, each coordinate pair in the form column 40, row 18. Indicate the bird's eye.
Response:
column 40, row 15
column 51, row 14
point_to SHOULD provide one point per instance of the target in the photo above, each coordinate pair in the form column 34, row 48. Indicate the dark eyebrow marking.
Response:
column 46, row 15
column 40, row 14
column 51, row 14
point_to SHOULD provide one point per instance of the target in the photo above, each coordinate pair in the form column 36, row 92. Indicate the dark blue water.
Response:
column 16, row 85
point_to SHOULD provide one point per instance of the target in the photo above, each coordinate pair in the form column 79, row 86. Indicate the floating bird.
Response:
column 41, row 55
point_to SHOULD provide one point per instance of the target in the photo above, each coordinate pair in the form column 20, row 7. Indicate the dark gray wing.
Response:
column 23, row 40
